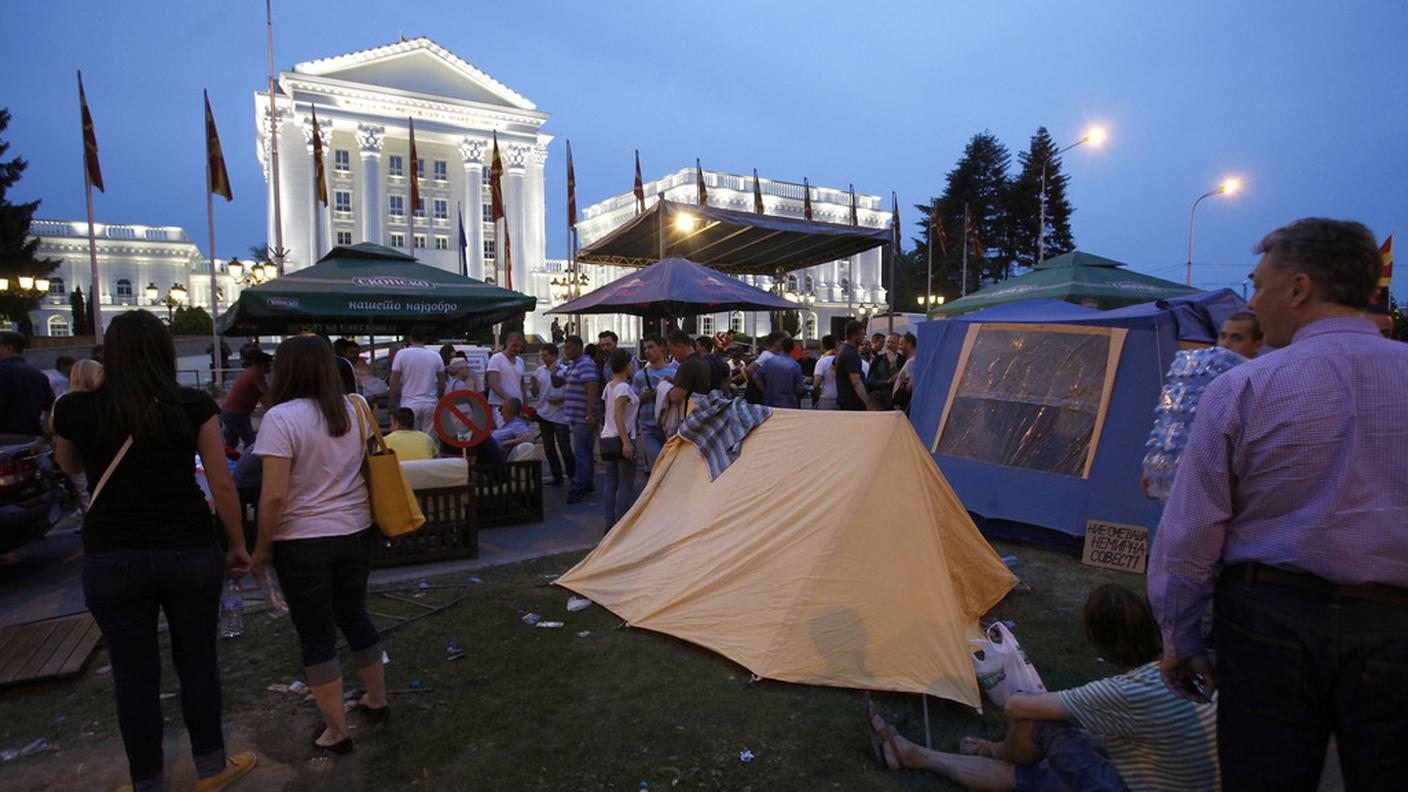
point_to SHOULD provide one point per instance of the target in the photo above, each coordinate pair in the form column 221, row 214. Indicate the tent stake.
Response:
column 928, row 740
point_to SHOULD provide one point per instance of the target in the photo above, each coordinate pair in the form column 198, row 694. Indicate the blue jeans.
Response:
column 618, row 496
column 126, row 590
column 557, row 447
column 583, row 447
column 1070, row 761
column 652, row 439
column 1294, row 666
column 238, row 428
column 325, row 582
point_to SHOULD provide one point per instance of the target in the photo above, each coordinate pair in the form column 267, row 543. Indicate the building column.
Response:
column 517, row 213
column 472, row 150
column 535, row 229
column 369, row 140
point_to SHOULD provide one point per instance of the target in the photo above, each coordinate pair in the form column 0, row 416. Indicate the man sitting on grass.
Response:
column 1137, row 735
column 405, row 440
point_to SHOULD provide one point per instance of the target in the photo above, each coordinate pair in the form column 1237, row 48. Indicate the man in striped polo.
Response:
column 581, row 408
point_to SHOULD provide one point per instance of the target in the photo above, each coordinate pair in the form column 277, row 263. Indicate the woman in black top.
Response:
column 150, row 545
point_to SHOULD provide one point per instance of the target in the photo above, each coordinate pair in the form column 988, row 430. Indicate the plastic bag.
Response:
column 1003, row 668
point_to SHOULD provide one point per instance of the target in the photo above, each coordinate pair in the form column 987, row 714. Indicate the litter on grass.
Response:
column 33, row 747
column 584, row 633
column 549, row 624
column 531, row 618
column 575, row 604
column 745, row 755
column 454, row 652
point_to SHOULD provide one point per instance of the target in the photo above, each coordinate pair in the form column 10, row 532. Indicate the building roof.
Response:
column 442, row 72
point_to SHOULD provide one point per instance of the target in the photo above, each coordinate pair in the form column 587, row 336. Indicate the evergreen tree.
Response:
column 82, row 317
column 1024, row 202
column 193, row 320
column 979, row 181
column 17, row 250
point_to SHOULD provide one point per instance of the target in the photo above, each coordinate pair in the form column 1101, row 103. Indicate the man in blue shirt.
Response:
column 581, row 409
column 25, row 394
column 780, row 379
column 657, row 373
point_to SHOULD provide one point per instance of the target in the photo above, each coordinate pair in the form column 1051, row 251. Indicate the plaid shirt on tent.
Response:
column 717, row 425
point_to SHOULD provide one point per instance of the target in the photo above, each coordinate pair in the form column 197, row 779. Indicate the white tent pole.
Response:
column 928, row 740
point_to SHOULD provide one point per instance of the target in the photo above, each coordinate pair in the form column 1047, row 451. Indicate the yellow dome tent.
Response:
column 831, row 552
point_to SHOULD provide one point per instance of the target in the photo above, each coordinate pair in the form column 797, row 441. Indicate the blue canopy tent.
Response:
column 1037, row 412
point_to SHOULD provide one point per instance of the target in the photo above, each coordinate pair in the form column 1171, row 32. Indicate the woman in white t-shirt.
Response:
column 622, row 405
column 315, row 526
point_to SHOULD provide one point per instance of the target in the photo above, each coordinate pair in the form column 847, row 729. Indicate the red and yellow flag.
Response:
column 90, row 141
column 973, row 234
column 938, row 225
column 215, row 158
column 699, row 181
column 318, row 173
column 571, row 190
column 1385, row 277
column 496, row 209
column 640, row 187
column 415, row 170
column 806, row 199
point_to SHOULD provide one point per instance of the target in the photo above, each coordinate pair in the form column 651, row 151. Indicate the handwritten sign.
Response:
column 1116, row 546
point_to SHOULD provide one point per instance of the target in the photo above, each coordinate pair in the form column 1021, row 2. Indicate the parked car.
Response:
column 32, row 490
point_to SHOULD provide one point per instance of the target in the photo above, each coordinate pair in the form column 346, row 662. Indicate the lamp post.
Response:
column 175, row 296
column 930, row 301
column 1095, row 137
column 1227, row 187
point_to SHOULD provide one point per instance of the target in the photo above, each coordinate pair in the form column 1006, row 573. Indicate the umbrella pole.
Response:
column 928, row 740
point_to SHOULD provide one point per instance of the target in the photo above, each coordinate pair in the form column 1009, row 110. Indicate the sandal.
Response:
column 341, row 747
column 378, row 714
column 877, row 745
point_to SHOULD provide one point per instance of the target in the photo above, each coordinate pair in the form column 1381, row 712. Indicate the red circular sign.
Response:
column 463, row 418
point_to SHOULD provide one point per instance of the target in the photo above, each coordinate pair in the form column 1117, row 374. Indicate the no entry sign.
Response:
column 463, row 418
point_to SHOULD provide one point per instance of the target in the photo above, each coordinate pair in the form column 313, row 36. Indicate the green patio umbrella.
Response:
column 1076, row 277
column 367, row 288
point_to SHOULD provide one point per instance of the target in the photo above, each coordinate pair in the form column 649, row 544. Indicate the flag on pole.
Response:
column 806, row 199
column 90, row 141
column 894, row 220
column 855, row 218
column 215, row 158
column 318, row 173
column 571, row 190
column 464, row 242
column 415, row 171
column 938, row 224
column 640, row 187
column 973, row 234
column 757, row 194
column 1385, row 277
column 496, row 209
column 699, row 181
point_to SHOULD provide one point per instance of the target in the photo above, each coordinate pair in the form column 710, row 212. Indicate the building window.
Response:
column 809, row 328
column 344, row 237
column 420, row 240
column 342, row 201
column 488, row 212
column 735, row 322
column 706, row 324
column 488, row 250
column 442, row 209
column 420, row 167
column 398, row 205
column 442, row 243
column 792, row 283
column 845, row 285
column 58, row 326
column 808, row 284
column 442, row 171
column 485, row 176
column 56, row 287
column 393, row 165
column 398, row 239
column 420, row 213
column 342, row 160
column 124, row 289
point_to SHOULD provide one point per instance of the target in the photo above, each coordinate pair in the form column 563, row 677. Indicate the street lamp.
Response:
column 1095, row 137
column 174, row 297
column 1228, row 187
column 931, row 301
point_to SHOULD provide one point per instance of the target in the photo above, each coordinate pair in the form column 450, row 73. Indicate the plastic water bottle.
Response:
column 232, row 610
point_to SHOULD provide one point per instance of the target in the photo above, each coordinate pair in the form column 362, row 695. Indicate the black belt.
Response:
column 1252, row 573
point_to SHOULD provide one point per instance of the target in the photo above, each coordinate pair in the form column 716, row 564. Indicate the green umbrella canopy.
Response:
column 1075, row 277
column 367, row 288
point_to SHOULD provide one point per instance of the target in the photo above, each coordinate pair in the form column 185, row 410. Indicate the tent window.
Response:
column 1031, row 396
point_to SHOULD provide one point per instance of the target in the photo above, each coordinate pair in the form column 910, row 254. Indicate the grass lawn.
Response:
column 531, row 708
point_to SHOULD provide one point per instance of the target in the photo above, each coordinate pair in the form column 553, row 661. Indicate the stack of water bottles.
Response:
column 1187, row 378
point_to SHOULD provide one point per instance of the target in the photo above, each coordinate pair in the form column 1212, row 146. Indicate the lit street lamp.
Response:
column 930, row 301
column 174, row 297
column 1227, row 187
column 1095, row 137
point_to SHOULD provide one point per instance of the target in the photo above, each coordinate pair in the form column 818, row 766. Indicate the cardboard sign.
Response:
column 1116, row 546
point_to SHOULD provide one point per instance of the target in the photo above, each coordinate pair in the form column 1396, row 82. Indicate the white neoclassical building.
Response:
column 133, row 260
column 851, row 286
column 364, row 102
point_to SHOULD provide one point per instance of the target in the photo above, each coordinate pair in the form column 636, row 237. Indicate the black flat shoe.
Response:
column 341, row 747
column 377, row 714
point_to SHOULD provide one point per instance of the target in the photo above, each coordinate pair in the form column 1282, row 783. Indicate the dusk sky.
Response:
column 1306, row 102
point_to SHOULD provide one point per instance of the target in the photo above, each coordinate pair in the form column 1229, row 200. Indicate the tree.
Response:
column 82, row 317
column 979, row 182
column 191, row 320
column 261, row 252
column 1024, row 203
column 17, row 248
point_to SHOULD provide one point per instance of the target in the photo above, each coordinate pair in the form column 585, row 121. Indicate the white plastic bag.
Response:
column 1003, row 668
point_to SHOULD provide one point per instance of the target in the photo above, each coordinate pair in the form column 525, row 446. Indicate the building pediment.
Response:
column 420, row 66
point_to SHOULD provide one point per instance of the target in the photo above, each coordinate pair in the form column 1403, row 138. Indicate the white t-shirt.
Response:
column 420, row 373
column 547, row 410
column 510, row 377
column 614, row 391
column 326, row 493
column 827, row 372
column 763, row 357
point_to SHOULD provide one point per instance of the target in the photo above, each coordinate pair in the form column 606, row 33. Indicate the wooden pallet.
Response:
column 54, row 649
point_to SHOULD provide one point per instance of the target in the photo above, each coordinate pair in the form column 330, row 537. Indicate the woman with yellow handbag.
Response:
column 315, row 525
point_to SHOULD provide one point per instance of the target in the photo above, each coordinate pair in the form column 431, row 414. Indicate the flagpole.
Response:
column 317, row 198
column 215, row 357
column 894, row 251
column 274, row 145
column 95, row 297
column 967, row 224
column 929, row 275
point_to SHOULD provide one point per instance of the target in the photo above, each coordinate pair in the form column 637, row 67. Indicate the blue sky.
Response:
column 1307, row 102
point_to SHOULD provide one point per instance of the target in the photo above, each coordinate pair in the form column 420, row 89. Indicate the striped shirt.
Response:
column 1155, row 739
column 579, row 373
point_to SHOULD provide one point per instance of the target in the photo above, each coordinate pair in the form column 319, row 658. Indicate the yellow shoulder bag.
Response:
column 394, row 505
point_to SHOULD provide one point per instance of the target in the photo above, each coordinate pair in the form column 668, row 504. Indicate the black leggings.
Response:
column 325, row 582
